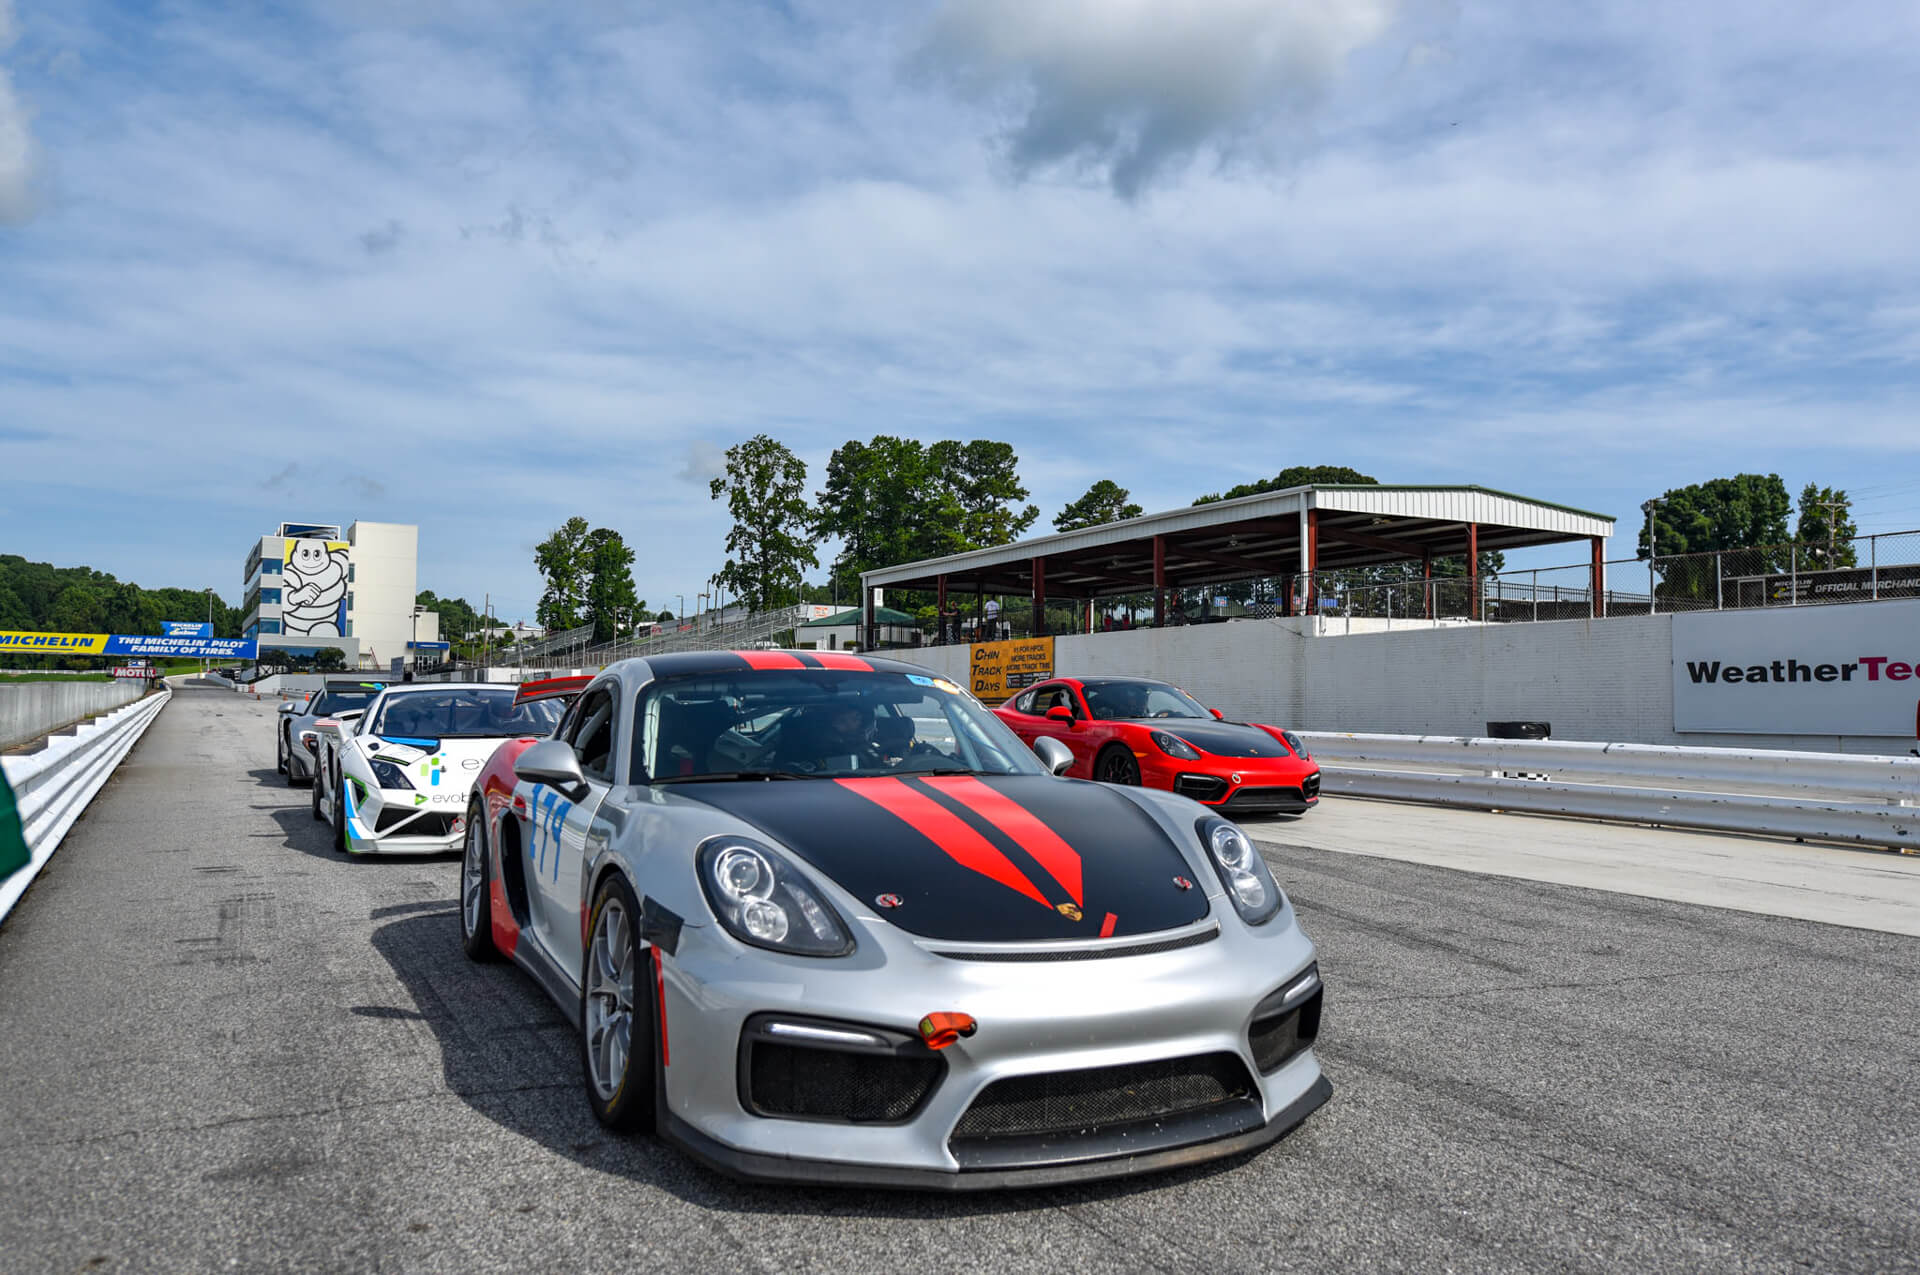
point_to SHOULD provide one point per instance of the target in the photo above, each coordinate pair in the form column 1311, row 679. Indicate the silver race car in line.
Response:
column 394, row 777
column 821, row 917
column 297, row 741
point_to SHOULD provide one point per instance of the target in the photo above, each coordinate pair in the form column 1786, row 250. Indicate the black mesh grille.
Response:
column 1277, row 1039
column 1089, row 954
column 428, row 825
column 826, row 1084
column 1266, row 798
column 1078, row 1101
column 1200, row 787
column 1311, row 785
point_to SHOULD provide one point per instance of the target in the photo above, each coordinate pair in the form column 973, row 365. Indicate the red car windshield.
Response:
column 1128, row 701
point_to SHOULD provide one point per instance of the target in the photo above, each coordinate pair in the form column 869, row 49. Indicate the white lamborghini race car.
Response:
column 395, row 778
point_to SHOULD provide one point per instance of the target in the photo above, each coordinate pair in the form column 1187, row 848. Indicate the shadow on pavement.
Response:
column 509, row 1053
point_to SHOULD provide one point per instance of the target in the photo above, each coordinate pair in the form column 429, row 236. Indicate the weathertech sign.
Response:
column 1814, row 670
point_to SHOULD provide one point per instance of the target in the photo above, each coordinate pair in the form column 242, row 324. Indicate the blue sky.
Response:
column 482, row 266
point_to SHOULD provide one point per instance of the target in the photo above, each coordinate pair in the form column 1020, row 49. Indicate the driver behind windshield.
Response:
column 825, row 734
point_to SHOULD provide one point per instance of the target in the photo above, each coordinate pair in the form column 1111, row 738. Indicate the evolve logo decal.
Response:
column 960, row 842
column 432, row 768
column 549, row 817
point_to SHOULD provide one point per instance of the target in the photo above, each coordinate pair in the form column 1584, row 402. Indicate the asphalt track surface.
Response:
column 224, row 1047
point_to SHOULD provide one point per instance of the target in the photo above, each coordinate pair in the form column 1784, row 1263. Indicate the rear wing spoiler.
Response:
column 550, row 688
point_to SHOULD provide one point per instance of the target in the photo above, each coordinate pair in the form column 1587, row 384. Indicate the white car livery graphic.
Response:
column 396, row 778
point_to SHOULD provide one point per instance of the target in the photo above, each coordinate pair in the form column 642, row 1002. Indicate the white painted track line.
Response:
column 1867, row 889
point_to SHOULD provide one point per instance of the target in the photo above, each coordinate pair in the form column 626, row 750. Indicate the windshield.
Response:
column 1123, row 701
column 341, row 699
column 804, row 723
column 466, row 712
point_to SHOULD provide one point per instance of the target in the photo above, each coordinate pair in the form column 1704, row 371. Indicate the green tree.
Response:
column 1747, row 511
column 562, row 561
column 1295, row 476
column 979, row 491
column 612, row 605
column 665, row 617
column 1105, row 501
column 329, row 658
column 771, row 542
column 79, row 609
column 1826, row 529
column 874, row 501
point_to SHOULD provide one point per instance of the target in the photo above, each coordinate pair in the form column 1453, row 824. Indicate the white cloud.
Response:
column 16, row 143
column 1136, row 88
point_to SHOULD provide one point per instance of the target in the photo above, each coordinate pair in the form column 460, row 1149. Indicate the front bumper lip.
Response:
column 1182, row 1142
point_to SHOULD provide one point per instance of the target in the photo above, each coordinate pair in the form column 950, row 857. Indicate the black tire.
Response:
column 280, row 762
column 1117, row 765
column 476, row 934
column 314, row 787
column 634, row 1105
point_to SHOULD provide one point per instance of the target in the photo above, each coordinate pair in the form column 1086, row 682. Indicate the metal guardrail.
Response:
column 1868, row 800
column 53, row 786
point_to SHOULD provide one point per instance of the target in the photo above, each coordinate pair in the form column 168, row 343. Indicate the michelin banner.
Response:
column 1799, row 670
column 15, row 643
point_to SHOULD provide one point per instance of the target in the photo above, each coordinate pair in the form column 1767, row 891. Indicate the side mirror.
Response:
column 1218, row 716
column 291, row 705
column 1053, row 754
column 1060, row 713
column 552, row 762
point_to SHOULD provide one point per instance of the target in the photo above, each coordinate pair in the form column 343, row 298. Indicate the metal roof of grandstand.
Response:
column 1273, row 533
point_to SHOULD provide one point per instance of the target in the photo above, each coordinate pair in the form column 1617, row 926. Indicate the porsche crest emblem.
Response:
column 1067, row 910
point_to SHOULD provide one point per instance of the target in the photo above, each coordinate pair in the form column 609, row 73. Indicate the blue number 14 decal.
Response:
column 550, row 811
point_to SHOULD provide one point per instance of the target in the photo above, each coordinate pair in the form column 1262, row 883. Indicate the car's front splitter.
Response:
column 757, row 1167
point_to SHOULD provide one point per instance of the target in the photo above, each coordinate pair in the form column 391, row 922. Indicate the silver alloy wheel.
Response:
column 609, row 1024
column 472, row 877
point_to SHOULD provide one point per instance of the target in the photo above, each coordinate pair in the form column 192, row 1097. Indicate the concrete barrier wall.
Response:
column 1607, row 680
column 29, row 710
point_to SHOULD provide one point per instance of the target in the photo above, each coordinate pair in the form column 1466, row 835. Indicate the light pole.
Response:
column 681, row 614
column 1653, row 549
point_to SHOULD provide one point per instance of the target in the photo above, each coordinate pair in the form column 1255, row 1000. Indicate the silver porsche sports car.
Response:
column 822, row 917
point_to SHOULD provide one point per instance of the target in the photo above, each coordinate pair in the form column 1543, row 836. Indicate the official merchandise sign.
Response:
column 1838, row 670
column 1000, row 669
column 17, row 643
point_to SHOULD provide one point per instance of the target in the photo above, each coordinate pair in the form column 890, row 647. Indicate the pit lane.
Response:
column 225, row 1047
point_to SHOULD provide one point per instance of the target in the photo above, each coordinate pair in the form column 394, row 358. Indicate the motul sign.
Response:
column 1852, row 669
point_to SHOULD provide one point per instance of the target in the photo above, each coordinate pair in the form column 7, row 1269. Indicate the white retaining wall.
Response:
column 1604, row 680
column 29, row 710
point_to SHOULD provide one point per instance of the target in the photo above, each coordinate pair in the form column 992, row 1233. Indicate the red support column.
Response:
column 1473, row 571
column 1598, row 581
column 1313, row 561
column 1039, row 597
column 1160, row 581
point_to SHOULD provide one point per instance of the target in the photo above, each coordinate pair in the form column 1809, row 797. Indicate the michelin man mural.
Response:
column 313, row 590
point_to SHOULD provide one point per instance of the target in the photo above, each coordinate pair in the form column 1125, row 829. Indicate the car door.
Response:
column 1019, row 715
column 1073, row 734
column 557, row 844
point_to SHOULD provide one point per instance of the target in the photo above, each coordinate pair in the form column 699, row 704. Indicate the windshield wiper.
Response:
column 719, row 776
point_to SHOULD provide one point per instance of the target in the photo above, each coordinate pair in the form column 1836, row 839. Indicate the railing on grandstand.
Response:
column 752, row 629
column 1868, row 568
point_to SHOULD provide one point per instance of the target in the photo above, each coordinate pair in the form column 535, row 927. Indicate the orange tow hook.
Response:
column 941, row 1030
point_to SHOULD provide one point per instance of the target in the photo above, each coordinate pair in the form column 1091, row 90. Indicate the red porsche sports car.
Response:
column 1130, row 730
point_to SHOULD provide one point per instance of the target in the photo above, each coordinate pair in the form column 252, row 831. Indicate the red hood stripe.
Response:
column 947, row 830
column 1060, row 860
column 770, row 659
column 841, row 660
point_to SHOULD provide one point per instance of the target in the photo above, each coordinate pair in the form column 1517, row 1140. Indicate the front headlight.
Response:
column 390, row 775
column 762, row 899
column 1293, row 742
column 1255, row 894
column 1174, row 746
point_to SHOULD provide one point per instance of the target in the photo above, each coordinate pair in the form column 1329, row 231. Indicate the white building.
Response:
column 311, row 589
